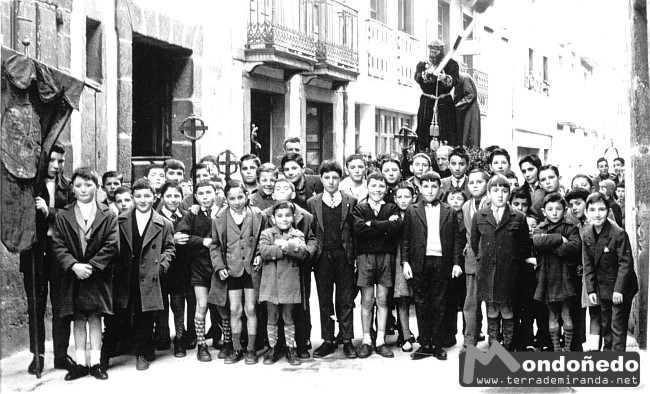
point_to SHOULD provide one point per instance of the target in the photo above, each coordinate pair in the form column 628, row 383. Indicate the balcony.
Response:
column 392, row 54
column 314, row 37
column 281, row 35
column 337, row 40
column 481, row 80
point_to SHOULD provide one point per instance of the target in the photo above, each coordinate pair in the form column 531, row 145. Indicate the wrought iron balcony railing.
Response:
column 337, row 34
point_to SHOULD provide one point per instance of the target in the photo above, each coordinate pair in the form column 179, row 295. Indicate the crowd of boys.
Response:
column 446, row 239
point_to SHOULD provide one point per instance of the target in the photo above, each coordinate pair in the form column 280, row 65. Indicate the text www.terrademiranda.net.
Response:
column 556, row 381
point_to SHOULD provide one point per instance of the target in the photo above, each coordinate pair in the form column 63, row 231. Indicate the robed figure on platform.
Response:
column 436, row 97
column 467, row 110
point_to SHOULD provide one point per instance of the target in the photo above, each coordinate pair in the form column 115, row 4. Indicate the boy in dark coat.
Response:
column 146, row 250
column 609, row 272
column 557, row 243
column 376, row 229
column 307, row 186
column 332, row 226
column 500, row 240
column 86, row 242
column 431, row 249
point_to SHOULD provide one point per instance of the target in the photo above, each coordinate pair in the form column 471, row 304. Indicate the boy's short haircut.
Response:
column 595, row 197
column 153, row 166
column 420, row 155
column 533, row 159
column 554, row 197
column 292, row 157
column 587, row 177
column 354, row 156
column 601, row 159
column 211, row 158
column 491, row 148
column 284, row 205
column 609, row 184
column 376, row 175
column 499, row 152
column 621, row 185
column 288, row 182
column 455, row 191
column 173, row 164
column 201, row 166
column 460, row 152
column 621, row 160
column 112, row 174
column 511, row 175
column 291, row 140
column 430, row 176
column 268, row 168
column 142, row 184
column 87, row 174
column 57, row 148
column 406, row 185
column 329, row 166
column 202, row 183
column 577, row 194
column 498, row 180
column 250, row 156
column 171, row 185
column 122, row 190
column 390, row 160
column 549, row 167
column 484, row 174
column 234, row 184
column 521, row 193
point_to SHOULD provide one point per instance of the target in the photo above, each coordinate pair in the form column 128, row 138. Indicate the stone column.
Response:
column 124, row 87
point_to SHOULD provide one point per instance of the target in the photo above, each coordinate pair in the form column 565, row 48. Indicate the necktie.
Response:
column 375, row 208
column 208, row 212
column 457, row 185
column 332, row 201
column 174, row 217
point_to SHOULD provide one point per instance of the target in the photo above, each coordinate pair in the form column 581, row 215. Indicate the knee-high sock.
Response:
column 272, row 333
column 568, row 337
column 289, row 335
column 227, row 332
column 555, row 338
column 200, row 331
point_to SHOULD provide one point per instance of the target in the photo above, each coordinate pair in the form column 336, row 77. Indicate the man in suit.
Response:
column 431, row 249
column 458, row 163
column 307, row 186
column 332, row 225
column 53, row 195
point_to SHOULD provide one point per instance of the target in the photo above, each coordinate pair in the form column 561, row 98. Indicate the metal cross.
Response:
column 225, row 161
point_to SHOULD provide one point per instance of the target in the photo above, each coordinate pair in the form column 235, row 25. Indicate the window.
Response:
column 468, row 59
column 443, row 22
column 94, row 64
column 387, row 124
column 378, row 10
column 531, row 61
column 405, row 16
column 545, row 67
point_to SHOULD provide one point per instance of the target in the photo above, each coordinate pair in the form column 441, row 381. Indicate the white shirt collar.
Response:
column 327, row 197
column 461, row 181
column 168, row 214
column 85, row 208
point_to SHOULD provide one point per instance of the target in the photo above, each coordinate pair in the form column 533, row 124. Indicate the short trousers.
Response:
column 376, row 269
column 243, row 282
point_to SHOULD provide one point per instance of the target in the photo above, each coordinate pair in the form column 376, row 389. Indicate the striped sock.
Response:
column 225, row 328
column 200, row 331
column 179, row 322
column 272, row 332
column 290, row 335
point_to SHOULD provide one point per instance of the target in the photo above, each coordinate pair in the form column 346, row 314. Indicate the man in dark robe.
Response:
column 437, row 89
column 467, row 110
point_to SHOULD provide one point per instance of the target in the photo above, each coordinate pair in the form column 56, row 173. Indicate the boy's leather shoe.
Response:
column 98, row 372
column 63, row 363
column 292, row 357
column 141, row 363
column 384, row 351
column 226, row 350
column 422, row 352
column 234, row 357
column 271, row 356
column 31, row 369
column 190, row 343
column 78, row 371
column 327, row 348
column 250, row 357
column 179, row 348
column 349, row 350
column 365, row 350
column 203, row 354
column 303, row 353
column 439, row 353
